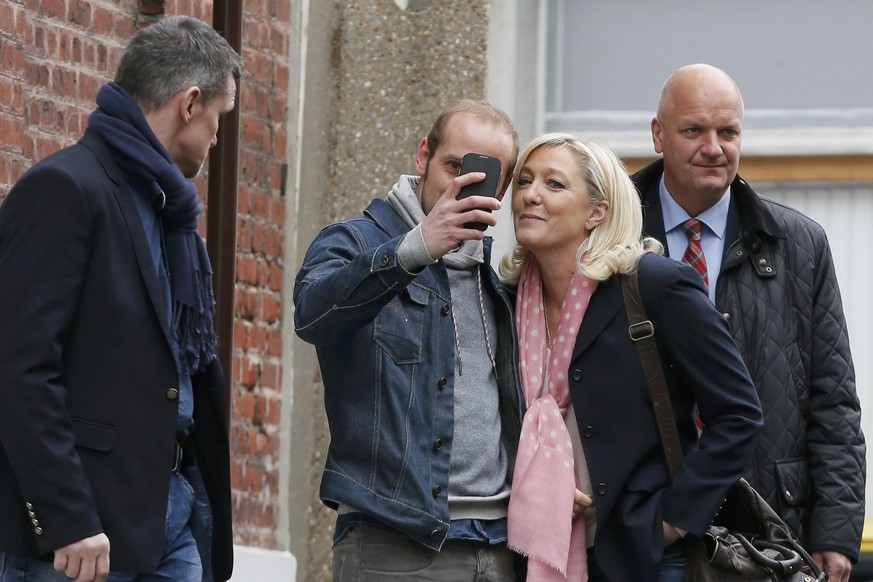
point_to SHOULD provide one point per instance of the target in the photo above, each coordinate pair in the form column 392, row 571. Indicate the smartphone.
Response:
column 473, row 162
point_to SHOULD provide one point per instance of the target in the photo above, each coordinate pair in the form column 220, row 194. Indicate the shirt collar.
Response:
column 715, row 217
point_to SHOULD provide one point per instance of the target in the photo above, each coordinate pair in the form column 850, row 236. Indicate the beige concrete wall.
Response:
column 370, row 78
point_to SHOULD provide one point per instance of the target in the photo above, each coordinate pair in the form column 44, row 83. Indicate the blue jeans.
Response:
column 181, row 561
column 672, row 568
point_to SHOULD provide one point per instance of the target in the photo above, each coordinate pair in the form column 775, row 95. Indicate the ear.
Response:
column 190, row 102
column 421, row 158
column 597, row 216
column 657, row 131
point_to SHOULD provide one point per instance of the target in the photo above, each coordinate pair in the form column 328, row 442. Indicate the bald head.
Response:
column 704, row 81
column 698, row 129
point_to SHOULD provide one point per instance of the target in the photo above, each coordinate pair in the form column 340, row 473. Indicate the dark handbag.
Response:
column 747, row 541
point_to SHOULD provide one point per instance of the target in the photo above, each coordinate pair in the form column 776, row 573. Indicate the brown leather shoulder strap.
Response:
column 642, row 332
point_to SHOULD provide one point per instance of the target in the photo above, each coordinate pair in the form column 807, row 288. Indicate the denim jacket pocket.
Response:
column 399, row 327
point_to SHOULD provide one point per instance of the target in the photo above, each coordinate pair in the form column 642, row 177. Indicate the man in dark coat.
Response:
column 113, row 430
column 770, row 272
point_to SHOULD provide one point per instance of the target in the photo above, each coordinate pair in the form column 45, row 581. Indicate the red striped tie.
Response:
column 694, row 256
column 694, row 253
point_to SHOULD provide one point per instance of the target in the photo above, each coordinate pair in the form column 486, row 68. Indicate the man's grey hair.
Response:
column 174, row 54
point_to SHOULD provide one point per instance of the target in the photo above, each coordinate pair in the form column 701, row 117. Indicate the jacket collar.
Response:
column 605, row 304
column 127, row 206
column 386, row 217
column 93, row 142
column 755, row 219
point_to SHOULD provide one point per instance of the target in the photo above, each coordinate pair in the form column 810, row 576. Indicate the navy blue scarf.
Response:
column 121, row 124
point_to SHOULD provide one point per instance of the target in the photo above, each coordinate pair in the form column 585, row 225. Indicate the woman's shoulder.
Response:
column 654, row 265
column 657, row 272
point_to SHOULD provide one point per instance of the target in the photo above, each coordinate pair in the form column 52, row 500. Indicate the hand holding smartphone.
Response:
column 474, row 162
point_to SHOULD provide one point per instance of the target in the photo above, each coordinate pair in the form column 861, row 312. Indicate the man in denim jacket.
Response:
column 416, row 344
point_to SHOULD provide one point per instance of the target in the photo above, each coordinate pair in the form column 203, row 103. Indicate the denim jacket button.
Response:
column 438, row 444
column 437, row 491
column 446, row 309
column 442, row 382
column 435, row 534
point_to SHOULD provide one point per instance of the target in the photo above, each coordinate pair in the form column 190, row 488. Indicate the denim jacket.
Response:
column 386, row 347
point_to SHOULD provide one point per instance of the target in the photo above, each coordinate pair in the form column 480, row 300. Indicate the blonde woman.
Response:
column 592, row 498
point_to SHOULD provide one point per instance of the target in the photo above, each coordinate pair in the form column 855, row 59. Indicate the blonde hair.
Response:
column 616, row 245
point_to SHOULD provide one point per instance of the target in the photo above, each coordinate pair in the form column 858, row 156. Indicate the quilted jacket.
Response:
column 779, row 292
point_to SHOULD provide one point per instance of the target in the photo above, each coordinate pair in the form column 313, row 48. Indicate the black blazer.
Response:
column 87, row 377
column 633, row 492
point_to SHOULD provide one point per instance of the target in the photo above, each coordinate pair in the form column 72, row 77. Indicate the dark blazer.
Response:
column 88, row 381
column 633, row 492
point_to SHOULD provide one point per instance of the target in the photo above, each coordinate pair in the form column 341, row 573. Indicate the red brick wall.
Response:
column 257, row 352
column 49, row 73
column 54, row 56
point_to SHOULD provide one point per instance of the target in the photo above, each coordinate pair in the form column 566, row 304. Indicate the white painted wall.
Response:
column 257, row 565
column 796, row 62
column 512, row 66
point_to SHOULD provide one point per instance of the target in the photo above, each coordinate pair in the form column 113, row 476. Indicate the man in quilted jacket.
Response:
column 770, row 272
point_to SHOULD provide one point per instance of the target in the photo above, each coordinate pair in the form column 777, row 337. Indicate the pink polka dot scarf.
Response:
column 541, row 524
